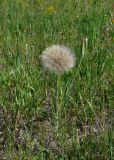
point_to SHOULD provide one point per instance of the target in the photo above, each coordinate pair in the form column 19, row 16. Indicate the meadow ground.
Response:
column 28, row 93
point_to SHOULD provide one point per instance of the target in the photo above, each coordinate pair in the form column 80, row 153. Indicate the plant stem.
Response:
column 58, row 104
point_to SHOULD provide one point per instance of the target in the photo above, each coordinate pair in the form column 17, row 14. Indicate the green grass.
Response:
column 28, row 93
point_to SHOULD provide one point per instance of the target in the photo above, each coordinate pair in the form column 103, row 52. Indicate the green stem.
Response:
column 58, row 104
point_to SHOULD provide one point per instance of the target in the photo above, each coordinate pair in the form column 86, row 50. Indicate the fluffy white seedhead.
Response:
column 58, row 58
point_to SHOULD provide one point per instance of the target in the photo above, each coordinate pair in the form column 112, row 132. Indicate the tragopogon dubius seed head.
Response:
column 58, row 58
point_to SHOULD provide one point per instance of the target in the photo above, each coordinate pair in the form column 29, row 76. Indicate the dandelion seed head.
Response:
column 58, row 58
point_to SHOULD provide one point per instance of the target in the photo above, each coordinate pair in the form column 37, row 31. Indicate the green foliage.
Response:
column 28, row 93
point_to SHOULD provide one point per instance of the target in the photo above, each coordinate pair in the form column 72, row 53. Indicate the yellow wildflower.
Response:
column 51, row 9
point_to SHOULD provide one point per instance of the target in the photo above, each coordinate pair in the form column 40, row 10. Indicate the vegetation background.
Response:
column 28, row 93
